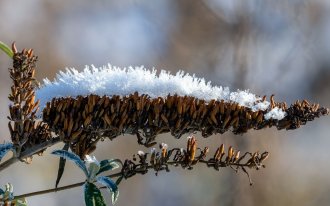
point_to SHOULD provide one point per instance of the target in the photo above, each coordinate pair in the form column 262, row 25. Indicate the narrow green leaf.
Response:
column 5, row 148
column 2, row 192
column 111, row 185
column 6, row 49
column 61, row 165
column 93, row 196
column 108, row 165
column 73, row 157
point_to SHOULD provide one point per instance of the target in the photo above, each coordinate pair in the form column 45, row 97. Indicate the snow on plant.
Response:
column 109, row 81
column 82, row 108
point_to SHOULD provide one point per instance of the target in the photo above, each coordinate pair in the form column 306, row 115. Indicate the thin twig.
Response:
column 59, row 188
column 110, row 176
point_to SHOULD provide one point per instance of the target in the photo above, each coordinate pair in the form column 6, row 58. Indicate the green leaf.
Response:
column 2, row 192
column 93, row 196
column 111, row 185
column 6, row 49
column 61, row 165
column 4, row 148
column 73, row 157
column 20, row 202
column 107, row 165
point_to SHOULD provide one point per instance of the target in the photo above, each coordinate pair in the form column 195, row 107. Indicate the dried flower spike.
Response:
column 24, row 128
column 183, row 158
column 96, row 116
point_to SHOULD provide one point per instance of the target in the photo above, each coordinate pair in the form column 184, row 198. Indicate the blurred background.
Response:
column 267, row 46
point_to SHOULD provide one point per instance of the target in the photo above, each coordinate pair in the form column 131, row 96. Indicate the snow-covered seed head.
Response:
column 167, row 110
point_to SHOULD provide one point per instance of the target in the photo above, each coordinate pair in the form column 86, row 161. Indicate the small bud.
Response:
column 193, row 151
column 13, row 47
column 164, row 149
column 230, row 153
column 236, row 156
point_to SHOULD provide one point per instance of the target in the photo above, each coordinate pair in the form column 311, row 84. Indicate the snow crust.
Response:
column 109, row 80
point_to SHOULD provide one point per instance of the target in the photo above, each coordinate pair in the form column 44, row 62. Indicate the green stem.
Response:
column 5, row 48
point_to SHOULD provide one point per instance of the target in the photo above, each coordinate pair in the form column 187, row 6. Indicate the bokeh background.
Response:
column 267, row 46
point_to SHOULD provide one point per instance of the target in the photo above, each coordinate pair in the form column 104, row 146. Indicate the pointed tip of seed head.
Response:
column 30, row 53
column 13, row 47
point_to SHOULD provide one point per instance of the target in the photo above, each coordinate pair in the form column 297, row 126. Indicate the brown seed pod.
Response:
column 164, row 149
column 70, row 126
column 193, row 150
column 272, row 102
column 236, row 156
column 88, row 120
column 75, row 135
column 260, row 117
column 13, row 48
column 230, row 154
column 220, row 152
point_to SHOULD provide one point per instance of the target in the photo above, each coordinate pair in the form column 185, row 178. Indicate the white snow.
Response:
column 140, row 153
column 275, row 113
column 109, row 80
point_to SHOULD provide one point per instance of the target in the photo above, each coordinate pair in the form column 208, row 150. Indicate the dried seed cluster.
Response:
column 190, row 156
column 25, row 131
column 84, row 120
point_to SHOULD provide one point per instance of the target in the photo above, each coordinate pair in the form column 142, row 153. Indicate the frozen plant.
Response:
column 82, row 109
